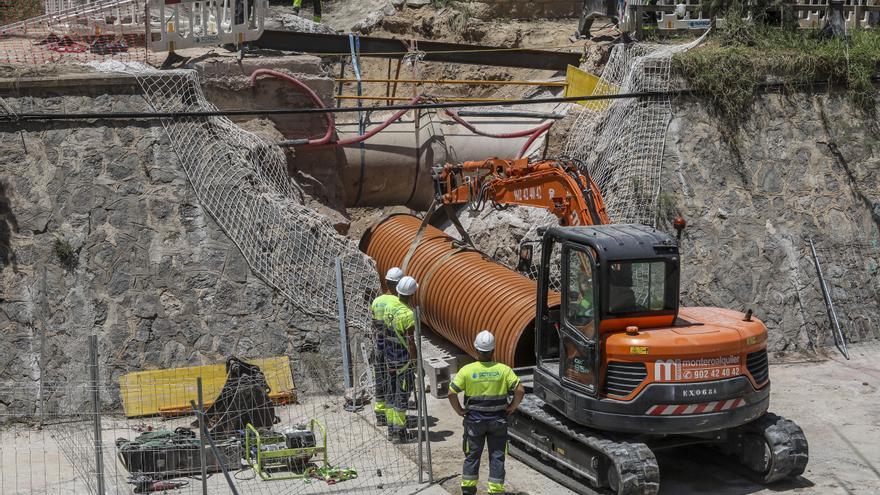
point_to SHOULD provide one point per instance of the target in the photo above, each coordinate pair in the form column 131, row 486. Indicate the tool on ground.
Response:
column 286, row 454
column 618, row 369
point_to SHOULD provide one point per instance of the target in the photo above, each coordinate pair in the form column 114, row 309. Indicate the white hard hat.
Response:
column 407, row 286
column 394, row 274
column 485, row 341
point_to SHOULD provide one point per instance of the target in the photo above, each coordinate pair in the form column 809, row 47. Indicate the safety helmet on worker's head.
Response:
column 407, row 286
column 485, row 341
column 394, row 274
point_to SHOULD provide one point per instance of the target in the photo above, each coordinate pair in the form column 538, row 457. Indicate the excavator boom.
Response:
column 555, row 185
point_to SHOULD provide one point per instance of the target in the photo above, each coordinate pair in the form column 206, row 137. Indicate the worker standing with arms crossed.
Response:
column 399, row 352
column 486, row 386
column 383, row 303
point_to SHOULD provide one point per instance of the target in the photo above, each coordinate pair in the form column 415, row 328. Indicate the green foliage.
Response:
column 19, row 10
column 66, row 254
column 729, row 68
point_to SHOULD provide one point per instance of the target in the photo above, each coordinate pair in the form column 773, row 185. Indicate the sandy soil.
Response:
column 835, row 401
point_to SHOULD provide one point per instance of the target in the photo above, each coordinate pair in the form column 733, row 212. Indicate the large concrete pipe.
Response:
column 461, row 292
column 394, row 166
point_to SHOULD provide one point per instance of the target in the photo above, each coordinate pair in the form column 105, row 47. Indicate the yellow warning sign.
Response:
column 582, row 83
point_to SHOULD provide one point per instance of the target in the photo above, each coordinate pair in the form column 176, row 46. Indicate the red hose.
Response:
column 380, row 127
column 308, row 91
column 328, row 115
column 535, row 135
column 467, row 125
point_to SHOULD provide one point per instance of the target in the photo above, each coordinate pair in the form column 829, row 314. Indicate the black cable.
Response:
column 306, row 111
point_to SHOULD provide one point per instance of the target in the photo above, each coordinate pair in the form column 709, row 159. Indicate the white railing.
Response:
column 178, row 24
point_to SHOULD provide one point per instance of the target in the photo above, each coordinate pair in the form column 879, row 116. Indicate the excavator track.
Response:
column 772, row 448
column 626, row 468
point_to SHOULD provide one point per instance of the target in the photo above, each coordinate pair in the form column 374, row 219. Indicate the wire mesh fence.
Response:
column 145, row 436
column 620, row 144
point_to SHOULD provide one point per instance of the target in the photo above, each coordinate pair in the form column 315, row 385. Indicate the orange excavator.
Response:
column 621, row 369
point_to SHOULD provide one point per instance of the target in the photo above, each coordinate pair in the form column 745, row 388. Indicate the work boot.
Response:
column 296, row 11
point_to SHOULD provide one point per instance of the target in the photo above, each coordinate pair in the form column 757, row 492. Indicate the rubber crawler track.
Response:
column 788, row 446
column 635, row 464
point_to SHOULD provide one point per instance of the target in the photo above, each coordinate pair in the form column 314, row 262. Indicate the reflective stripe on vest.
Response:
column 486, row 386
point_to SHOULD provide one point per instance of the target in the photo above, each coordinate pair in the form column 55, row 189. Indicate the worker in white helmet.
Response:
column 399, row 355
column 487, row 388
column 383, row 303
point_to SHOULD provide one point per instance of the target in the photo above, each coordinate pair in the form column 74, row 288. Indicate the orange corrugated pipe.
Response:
column 461, row 291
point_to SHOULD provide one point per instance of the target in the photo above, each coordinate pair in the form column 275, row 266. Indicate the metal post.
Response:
column 343, row 333
column 423, row 401
column 44, row 309
column 839, row 337
column 96, row 411
column 202, row 455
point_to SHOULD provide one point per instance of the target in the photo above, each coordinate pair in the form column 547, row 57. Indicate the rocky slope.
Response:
column 100, row 232
column 802, row 166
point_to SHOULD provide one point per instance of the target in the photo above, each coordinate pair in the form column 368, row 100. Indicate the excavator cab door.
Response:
column 567, row 336
column 579, row 329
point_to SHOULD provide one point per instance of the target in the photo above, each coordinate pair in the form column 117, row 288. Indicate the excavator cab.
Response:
column 612, row 277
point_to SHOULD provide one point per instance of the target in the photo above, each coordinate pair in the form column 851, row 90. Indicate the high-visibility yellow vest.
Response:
column 485, row 384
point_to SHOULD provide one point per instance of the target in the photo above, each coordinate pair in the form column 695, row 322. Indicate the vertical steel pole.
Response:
column 96, row 411
column 423, row 400
column 202, row 445
column 837, row 333
column 343, row 333
column 44, row 309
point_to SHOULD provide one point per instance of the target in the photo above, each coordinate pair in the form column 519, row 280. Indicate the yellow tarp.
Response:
column 148, row 393
column 582, row 83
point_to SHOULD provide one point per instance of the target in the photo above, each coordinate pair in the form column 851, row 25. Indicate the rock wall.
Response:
column 100, row 232
column 802, row 166
column 526, row 9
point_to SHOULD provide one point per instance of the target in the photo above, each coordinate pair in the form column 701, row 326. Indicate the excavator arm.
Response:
column 555, row 185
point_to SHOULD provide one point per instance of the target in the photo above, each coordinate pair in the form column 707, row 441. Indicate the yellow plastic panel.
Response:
column 168, row 391
column 582, row 83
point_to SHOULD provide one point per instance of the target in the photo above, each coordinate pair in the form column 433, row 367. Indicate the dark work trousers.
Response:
column 400, row 389
column 380, row 373
column 476, row 434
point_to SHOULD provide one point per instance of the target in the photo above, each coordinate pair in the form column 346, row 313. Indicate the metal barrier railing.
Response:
column 669, row 16
column 178, row 24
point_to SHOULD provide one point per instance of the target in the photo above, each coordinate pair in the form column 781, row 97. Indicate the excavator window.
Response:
column 579, row 310
column 638, row 286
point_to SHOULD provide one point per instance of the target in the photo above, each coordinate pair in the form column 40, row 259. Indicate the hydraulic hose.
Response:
column 535, row 135
column 379, row 128
column 331, row 125
column 506, row 135
column 325, row 139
